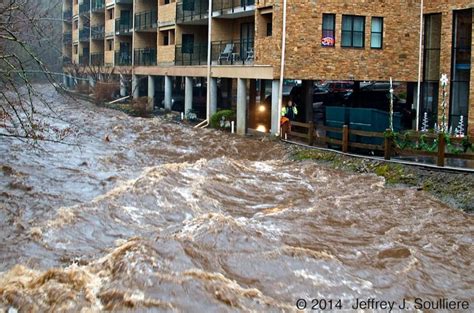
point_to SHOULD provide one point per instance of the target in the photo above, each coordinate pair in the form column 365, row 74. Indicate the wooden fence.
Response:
column 308, row 133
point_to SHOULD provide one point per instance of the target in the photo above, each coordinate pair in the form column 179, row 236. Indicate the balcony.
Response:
column 233, row 8
column 98, row 32
column 97, row 59
column 84, row 59
column 123, row 27
column 123, row 58
column 67, row 15
column 191, row 54
column 84, row 7
column 192, row 12
column 67, row 38
column 145, row 57
column 146, row 21
column 98, row 5
column 84, row 34
column 233, row 52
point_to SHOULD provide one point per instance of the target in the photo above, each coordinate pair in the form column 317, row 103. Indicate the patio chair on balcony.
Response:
column 226, row 54
column 250, row 55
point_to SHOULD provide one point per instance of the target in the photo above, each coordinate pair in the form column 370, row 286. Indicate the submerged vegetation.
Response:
column 456, row 189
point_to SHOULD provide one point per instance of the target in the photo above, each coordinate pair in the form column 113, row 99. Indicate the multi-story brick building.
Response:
column 164, row 44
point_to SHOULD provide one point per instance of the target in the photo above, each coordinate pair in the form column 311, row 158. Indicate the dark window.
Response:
column 111, row 13
column 269, row 29
column 166, row 40
column 329, row 25
column 353, row 31
column 110, row 43
column 376, row 35
column 461, row 68
column 431, row 70
column 75, row 49
column 188, row 43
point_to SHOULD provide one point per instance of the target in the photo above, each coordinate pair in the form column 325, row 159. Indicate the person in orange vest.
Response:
column 288, row 114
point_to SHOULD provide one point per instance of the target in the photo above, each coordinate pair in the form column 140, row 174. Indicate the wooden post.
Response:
column 345, row 138
column 310, row 133
column 388, row 144
column 441, row 148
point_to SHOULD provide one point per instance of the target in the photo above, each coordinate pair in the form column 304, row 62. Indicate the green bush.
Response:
column 222, row 119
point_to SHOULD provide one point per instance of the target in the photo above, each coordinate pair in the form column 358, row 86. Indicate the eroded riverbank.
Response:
column 163, row 217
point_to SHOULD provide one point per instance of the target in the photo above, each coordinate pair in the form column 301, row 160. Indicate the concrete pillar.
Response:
column 188, row 95
column 168, row 92
column 241, row 106
column 91, row 82
column 275, row 113
column 252, row 104
column 151, row 93
column 123, row 86
column 213, row 98
column 135, row 89
column 65, row 80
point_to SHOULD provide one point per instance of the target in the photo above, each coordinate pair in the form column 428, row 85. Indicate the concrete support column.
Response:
column 213, row 101
column 65, row 80
column 188, row 95
column 275, row 112
column 123, row 86
column 241, row 106
column 252, row 104
column 91, row 82
column 151, row 93
column 135, row 90
column 168, row 92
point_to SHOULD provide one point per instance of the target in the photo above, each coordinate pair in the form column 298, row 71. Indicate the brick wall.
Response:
column 167, row 14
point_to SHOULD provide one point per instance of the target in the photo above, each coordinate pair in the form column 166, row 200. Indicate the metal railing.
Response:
column 84, row 59
column 98, row 32
column 123, row 26
column 146, row 20
column 84, row 7
column 191, row 11
column 238, row 51
column 84, row 34
column 123, row 58
column 67, row 37
column 97, row 59
column 98, row 5
column 191, row 55
column 231, row 5
column 67, row 15
column 145, row 57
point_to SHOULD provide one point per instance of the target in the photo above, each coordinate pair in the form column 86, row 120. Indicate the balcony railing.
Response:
column 97, row 59
column 84, row 59
column 67, row 16
column 191, row 54
column 123, row 26
column 191, row 11
column 239, row 51
column 123, row 1
column 98, row 32
column 229, row 6
column 84, row 34
column 146, row 20
column 98, row 5
column 85, row 7
column 145, row 57
column 123, row 58
column 67, row 38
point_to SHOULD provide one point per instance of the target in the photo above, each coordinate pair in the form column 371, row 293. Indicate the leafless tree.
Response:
column 27, row 29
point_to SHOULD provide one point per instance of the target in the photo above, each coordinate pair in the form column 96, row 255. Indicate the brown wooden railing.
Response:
column 308, row 133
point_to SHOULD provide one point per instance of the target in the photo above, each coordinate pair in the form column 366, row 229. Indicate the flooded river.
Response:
column 149, row 215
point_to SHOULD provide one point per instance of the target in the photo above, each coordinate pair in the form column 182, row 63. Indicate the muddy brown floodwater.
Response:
column 164, row 217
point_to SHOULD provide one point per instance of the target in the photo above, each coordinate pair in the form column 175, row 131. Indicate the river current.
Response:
column 150, row 215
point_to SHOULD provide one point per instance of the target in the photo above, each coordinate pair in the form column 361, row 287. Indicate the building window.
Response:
column 188, row 43
column 110, row 14
column 110, row 44
column 376, row 35
column 353, row 31
column 269, row 29
column 431, row 69
column 461, row 68
column 329, row 25
column 76, row 24
column 75, row 49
